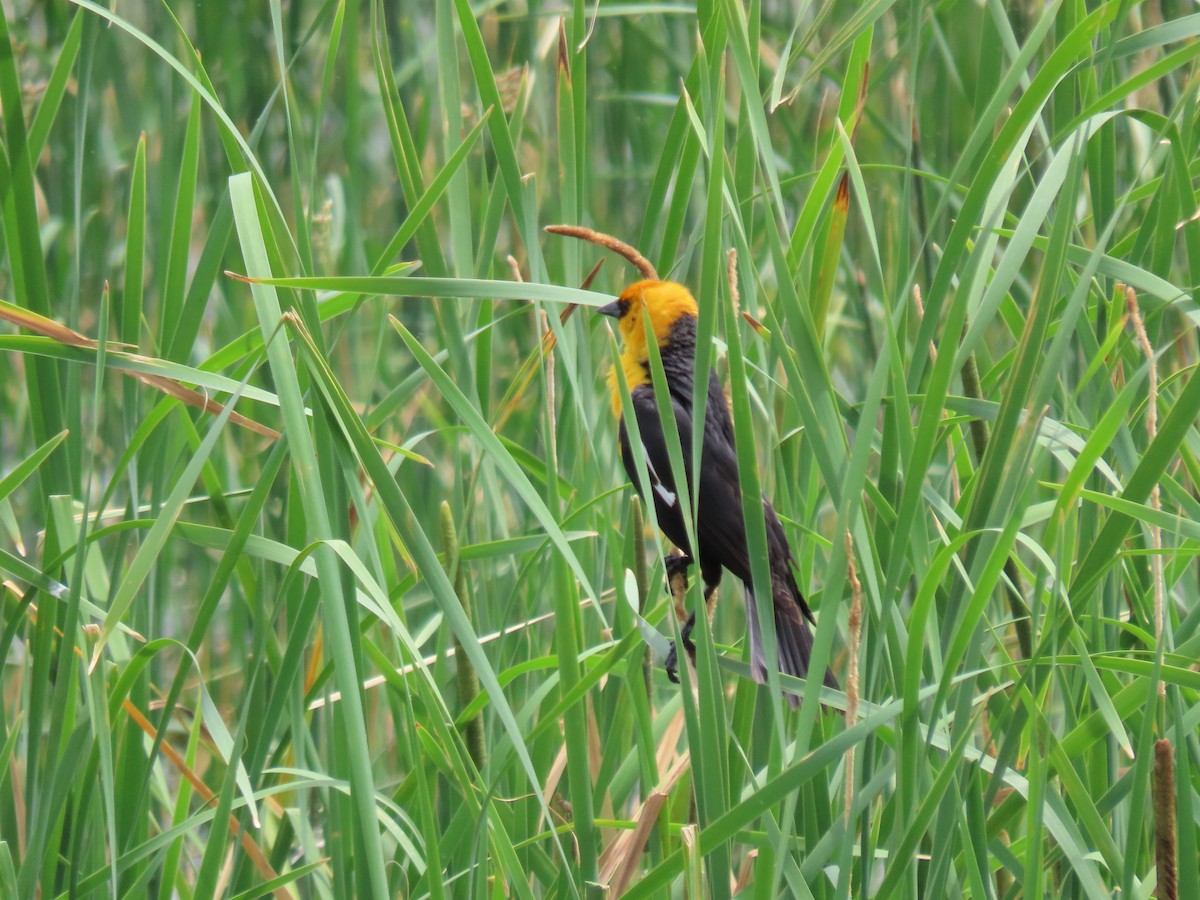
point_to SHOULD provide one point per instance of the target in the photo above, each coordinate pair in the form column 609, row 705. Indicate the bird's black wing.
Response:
column 721, row 527
column 718, row 409
column 721, row 534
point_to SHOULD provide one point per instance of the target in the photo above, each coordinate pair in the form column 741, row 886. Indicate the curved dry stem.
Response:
column 609, row 242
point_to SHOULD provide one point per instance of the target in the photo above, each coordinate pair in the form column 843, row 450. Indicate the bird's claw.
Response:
column 672, row 664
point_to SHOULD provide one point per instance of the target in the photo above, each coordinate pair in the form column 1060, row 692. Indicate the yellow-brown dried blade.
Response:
column 832, row 236
column 56, row 331
column 255, row 853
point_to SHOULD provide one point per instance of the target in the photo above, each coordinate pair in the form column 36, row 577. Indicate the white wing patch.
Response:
column 667, row 497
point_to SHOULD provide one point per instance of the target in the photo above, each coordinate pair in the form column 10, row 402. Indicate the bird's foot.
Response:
column 672, row 665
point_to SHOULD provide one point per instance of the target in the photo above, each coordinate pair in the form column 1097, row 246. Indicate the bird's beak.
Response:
column 612, row 309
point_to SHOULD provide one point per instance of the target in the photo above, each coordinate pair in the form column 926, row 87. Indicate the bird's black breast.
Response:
column 661, row 485
column 720, row 527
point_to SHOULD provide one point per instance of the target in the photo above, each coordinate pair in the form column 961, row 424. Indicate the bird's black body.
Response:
column 720, row 524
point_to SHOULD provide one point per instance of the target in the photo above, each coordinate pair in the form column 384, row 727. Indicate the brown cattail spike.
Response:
column 608, row 242
column 1164, row 820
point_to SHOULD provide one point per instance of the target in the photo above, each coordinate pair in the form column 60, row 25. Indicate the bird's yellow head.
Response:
column 665, row 302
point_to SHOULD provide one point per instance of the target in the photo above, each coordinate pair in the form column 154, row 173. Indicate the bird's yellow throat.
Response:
column 665, row 302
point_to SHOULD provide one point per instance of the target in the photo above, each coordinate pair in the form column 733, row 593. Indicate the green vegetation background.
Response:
column 252, row 540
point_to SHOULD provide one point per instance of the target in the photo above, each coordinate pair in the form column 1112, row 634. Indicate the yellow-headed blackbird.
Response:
column 720, row 526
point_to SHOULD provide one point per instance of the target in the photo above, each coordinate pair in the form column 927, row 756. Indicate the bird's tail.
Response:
column 793, row 637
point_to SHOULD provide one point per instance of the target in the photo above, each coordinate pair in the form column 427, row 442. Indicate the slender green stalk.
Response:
column 468, row 680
